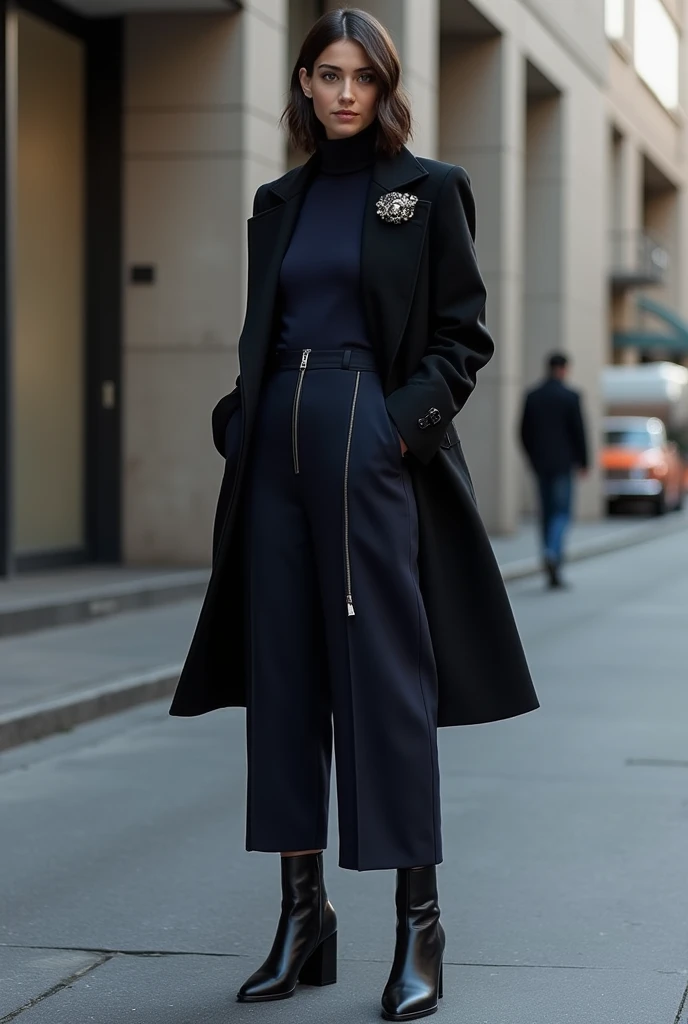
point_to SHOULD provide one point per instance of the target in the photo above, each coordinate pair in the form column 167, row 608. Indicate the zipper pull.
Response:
column 304, row 358
column 350, row 605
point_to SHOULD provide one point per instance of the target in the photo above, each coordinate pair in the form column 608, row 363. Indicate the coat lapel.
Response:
column 269, row 235
column 390, row 258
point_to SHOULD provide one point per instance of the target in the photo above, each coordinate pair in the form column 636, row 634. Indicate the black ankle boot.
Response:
column 305, row 947
column 415, row 982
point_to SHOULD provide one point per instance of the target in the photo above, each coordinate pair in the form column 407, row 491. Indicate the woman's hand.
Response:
column 404, row 446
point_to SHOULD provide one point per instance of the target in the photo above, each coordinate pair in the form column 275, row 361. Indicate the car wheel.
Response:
column 660, row 504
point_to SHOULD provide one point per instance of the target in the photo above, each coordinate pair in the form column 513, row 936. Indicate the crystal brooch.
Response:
column 396, row 207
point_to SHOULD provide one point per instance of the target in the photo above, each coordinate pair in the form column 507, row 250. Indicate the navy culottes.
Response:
column 337, row 630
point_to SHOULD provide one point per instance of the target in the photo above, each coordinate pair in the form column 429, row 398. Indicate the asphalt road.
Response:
column 125, row 894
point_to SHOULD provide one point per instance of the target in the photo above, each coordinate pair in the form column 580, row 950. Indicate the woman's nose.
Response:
column 346, row 95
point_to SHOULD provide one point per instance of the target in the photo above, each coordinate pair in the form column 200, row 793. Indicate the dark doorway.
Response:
column 60, row 348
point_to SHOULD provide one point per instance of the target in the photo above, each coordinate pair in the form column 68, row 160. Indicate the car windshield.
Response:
column 629, row 438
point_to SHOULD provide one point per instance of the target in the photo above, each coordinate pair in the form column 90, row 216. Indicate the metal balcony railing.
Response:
column 637, row 260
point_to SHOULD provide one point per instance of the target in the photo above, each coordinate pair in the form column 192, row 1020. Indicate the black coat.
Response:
column 552, row 429
column 424, row 304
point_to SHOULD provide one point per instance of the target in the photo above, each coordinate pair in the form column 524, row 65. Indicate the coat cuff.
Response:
column 422, row 419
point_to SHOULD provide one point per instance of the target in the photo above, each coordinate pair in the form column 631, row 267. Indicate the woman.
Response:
column 353, row 581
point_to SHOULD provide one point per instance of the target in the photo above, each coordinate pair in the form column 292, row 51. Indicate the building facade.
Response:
column 135, row 134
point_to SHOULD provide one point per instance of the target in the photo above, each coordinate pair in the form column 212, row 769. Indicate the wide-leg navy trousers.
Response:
column 337, row 630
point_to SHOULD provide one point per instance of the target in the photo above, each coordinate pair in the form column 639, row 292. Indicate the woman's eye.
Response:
column 367, row 79
column 329, row 76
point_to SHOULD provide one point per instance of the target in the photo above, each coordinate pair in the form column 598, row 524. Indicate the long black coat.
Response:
column 424, row 303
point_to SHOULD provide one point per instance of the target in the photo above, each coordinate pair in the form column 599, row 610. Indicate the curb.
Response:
column 632, row 537
column 41, row 720
column 29, row 616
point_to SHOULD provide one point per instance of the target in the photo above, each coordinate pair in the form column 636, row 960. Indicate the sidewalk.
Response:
column 519, row 557
column 54, row 679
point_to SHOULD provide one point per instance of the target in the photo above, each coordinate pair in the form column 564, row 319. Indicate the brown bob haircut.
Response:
column 394, row 109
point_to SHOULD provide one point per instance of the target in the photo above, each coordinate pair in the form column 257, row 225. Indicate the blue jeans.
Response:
column 556, row 494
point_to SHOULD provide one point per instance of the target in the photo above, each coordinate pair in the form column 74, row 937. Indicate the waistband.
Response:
column 338, row 359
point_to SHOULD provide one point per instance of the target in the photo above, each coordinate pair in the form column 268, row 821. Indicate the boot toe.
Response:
column 260, row 989
column 401, row 1003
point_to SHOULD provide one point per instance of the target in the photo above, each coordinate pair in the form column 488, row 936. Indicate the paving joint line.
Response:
column 151, row 953
column 61, row 985
column 679, row 1018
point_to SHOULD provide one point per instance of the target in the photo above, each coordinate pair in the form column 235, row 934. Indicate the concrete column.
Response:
column 544, row 255
column 586, row 261
column 203, row 97
column 482, row 126
column 414, row 26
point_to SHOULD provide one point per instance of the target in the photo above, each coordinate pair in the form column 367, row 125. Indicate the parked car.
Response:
column 638, row 461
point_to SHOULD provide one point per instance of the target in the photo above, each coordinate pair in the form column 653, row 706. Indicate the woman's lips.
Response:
column 344, row 115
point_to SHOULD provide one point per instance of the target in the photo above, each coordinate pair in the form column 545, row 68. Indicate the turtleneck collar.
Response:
column 345, row 156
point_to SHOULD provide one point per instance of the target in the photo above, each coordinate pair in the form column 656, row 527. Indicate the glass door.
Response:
column 49, row 300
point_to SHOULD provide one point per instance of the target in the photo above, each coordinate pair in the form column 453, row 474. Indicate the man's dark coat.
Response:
column 552, row 429
column 424, row 303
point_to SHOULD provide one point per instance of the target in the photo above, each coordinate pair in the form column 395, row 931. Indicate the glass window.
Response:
column 615, row 18
column 637, row 438
column 656, row 48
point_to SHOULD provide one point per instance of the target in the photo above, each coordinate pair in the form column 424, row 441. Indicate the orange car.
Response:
column 638, row 461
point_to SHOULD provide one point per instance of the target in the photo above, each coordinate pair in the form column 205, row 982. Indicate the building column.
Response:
column 482, row 126
column 414, row 26
column 586, row 263
column 203, row 95
column 627, row 212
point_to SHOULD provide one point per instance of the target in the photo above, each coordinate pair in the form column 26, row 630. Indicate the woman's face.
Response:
column 344, row 89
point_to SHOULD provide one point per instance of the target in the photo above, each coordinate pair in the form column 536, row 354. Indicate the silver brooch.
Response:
column 396, row 207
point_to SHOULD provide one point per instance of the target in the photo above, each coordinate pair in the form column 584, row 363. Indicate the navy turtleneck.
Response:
column 320, row 282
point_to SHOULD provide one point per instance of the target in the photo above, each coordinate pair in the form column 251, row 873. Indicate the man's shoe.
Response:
column 554, row 580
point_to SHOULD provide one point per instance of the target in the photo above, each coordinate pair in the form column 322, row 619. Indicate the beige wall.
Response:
column 542, row 224
column 203, row 97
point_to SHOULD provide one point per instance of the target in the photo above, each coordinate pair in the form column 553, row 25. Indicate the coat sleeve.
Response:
column 527, row 426
column 229, row 404
column 459, row 343
column 579, row 440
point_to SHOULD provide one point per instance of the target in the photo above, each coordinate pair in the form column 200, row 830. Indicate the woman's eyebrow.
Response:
column 333, row 67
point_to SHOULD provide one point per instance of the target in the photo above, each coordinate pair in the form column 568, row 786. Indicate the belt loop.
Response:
column 346, row 359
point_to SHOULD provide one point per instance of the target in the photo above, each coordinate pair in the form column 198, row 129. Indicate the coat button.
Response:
column 435, row 416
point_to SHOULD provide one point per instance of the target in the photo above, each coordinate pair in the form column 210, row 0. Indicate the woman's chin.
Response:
column 345, row 129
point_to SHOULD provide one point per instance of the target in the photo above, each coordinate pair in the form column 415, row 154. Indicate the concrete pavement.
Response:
column 126, row 894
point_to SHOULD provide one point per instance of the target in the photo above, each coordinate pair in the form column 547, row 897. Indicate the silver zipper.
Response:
column 349, row 598
column 295, row 412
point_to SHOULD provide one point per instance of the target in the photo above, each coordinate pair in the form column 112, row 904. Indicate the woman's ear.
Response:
column 305, row 80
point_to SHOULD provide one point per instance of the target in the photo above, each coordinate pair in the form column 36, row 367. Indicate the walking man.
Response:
column 553, row 436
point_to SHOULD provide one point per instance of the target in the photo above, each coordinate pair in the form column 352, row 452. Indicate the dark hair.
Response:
column 394, row 109
column 557, row 361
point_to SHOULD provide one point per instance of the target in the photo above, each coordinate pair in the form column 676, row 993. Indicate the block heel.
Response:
column 321, row 967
